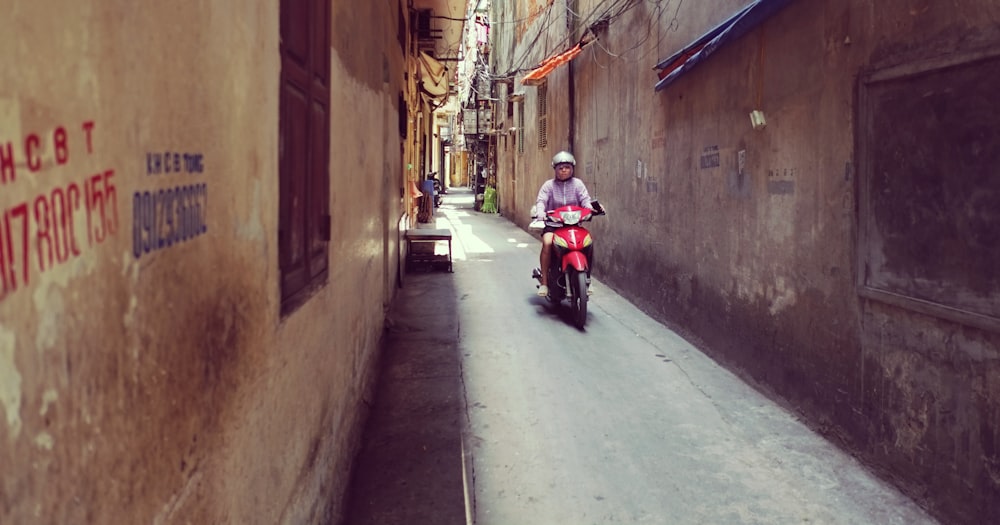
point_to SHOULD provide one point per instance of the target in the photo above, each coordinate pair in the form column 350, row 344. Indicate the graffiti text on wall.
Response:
column 164, row 217
column 43, row 232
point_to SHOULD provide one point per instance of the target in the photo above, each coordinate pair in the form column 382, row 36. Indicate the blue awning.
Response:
column 734, row 27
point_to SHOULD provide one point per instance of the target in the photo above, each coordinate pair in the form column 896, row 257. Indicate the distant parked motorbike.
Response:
column 439, row 190
column 573, row 247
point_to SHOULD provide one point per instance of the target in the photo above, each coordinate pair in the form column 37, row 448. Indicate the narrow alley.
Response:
column 209, row 212
column 505, row 413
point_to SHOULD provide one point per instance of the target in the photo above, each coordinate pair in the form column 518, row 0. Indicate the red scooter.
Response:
column 573, row 248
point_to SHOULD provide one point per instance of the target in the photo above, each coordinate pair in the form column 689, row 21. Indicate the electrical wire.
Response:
column 606, row 11
column 653, row 20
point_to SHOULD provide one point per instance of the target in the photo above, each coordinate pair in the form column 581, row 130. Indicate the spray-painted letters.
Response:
column 57, row 225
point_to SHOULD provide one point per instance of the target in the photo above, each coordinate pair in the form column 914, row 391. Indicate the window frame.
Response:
column 303, row 151
column 871, row 281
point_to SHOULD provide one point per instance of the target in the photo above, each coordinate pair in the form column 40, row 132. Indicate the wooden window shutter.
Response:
column 304, row 149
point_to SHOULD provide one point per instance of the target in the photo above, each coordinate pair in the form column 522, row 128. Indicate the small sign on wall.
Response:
column 164, row 217
column 710, row 157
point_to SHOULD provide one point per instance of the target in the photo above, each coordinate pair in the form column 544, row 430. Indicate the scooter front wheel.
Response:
column 578, row 302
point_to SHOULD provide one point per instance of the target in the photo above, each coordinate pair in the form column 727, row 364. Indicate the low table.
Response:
column 426, row 235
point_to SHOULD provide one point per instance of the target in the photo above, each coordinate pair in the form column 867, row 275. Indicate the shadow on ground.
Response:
column 410, row 467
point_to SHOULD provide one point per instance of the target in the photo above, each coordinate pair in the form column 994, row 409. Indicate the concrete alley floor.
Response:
column 492, row 408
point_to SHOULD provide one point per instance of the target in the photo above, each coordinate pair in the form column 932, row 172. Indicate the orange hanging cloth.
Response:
column 414, row 191
column 537, row 75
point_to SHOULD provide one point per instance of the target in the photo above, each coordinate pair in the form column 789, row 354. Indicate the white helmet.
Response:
column 563, row 157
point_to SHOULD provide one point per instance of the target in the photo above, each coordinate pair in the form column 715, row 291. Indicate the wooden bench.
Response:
column 426, row 235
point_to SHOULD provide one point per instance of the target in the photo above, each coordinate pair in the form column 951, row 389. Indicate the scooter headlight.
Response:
column 571, row 217
column 560, row 242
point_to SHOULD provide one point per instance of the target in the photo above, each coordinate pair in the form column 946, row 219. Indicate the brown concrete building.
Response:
column 842, row 252
column 200, row 212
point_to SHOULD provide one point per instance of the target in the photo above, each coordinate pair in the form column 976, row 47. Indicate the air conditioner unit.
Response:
column 423, row 24
column 427, row 36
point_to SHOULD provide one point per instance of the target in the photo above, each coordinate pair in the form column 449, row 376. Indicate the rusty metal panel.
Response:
column 930, row 188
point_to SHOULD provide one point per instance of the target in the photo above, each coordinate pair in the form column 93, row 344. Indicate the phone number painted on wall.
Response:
column 47, row 227
column 165, row 217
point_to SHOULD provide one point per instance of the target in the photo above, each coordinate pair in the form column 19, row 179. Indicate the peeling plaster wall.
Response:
column 146, row 381
column 748, row 241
